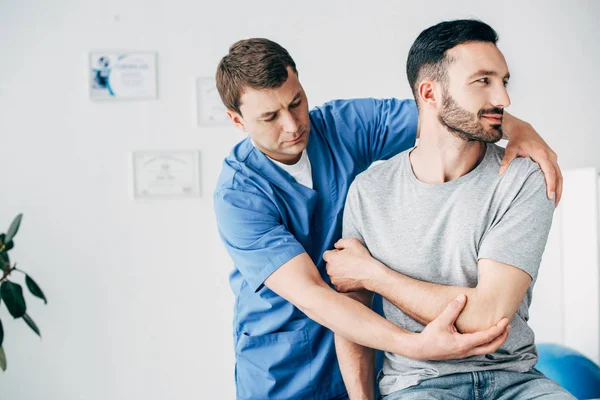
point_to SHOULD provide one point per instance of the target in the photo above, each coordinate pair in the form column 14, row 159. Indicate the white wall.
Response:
column 566, row 301
column 139, row 303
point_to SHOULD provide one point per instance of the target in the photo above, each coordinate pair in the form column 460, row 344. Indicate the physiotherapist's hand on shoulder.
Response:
column 524, row 141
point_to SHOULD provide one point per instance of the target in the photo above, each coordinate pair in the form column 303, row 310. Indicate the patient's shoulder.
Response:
column 383, row 173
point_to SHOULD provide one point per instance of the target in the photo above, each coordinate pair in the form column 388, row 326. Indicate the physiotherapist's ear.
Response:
column 427, row 93
column 237, row 120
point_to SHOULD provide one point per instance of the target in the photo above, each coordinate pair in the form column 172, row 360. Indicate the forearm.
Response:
column 425, row 301
column 511, row 126
column 355, row 322
column 357, row 363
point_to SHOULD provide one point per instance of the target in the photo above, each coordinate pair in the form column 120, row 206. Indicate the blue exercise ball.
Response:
column 570, row 369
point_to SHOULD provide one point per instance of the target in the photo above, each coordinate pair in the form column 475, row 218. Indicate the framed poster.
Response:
column 166, row 174
column 209, row 107
column 115, row 75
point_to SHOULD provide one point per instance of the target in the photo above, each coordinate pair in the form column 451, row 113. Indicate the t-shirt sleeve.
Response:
column 251, row 229
column 352, row 223
column 372, row 129
column 519, row 236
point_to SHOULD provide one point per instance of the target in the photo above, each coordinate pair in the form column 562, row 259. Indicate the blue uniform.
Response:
column 265, row 218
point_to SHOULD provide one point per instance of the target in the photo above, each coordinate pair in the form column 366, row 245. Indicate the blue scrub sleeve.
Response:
column 257, row 241
column 373, row 129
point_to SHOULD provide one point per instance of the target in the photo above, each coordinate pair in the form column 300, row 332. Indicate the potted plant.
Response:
column 11, row 293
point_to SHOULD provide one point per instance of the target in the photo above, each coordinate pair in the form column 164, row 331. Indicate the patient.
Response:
column 473, row 233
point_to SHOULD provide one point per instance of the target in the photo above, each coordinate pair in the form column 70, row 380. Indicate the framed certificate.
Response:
column 209, row 107
column 115, row 75
column 166, row 174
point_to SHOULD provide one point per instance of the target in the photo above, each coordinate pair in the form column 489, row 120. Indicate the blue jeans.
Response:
column 485, row 385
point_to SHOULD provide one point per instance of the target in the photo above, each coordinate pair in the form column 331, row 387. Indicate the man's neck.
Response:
column 441, row 156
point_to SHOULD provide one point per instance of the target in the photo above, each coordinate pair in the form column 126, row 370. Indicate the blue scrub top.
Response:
column 265, row 218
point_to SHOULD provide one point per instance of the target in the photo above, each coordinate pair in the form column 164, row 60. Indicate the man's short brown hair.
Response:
column 251, row 63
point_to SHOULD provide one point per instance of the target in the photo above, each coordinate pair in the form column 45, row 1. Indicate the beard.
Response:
column 466, row 125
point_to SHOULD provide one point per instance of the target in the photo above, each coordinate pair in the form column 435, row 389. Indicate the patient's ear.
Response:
column 237, row 120
column 427, row 93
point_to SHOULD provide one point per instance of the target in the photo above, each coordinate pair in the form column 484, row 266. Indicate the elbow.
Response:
column 476, row 323
column 481, row 314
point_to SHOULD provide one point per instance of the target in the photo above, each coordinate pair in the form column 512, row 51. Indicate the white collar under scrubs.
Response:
column 301, row 171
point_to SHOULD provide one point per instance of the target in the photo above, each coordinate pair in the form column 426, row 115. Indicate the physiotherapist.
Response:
column 279, row 202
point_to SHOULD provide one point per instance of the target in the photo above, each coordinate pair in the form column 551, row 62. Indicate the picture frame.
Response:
column 209, row 107
column 166, row 174
column 117, row 75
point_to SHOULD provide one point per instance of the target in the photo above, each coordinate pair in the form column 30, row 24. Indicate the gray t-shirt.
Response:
column 438, row 232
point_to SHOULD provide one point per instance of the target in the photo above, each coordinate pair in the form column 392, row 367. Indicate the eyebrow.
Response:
column 482, row 72
column 270, row 113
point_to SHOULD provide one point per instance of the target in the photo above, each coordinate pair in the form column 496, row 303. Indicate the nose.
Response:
column 500, row 98
column 289, row 123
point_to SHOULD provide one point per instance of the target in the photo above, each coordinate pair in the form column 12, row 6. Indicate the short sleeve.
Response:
column 352, row 226
column 371, row 129
column 518, row 237
column 255, row 238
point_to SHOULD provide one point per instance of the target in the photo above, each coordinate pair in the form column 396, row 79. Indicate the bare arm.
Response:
column 357, row 362
column 299, row 282
column 499, row 292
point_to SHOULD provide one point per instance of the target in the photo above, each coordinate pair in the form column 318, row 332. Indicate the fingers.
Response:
column 327, row 255
column 559, row 184
column 345, row 242
column 473, row 340
column 331, row 278
column 547, row 159
column 492, row 346
column 550, row 176
column 452, row 311
column 340, row 244
column 328, row 268
column 509, row 156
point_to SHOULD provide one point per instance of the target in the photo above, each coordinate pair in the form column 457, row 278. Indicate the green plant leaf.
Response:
column 14, row 228
column 12, row 294
column 9, row 245
column 35, row 289
column 31, row 324
column 1, row 334
column 2, row 359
